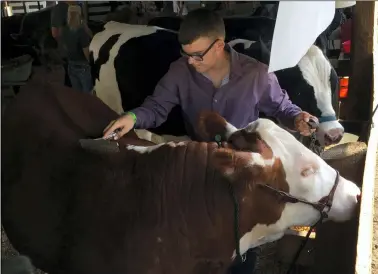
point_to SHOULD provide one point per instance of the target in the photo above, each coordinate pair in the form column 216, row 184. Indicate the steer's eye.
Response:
column 306, row 172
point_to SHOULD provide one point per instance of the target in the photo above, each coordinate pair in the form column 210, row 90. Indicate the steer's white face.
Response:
column 308, row 176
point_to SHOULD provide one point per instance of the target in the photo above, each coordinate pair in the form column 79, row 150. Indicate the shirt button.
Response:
column 215, row 100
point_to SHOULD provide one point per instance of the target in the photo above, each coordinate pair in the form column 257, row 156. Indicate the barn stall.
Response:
column 328, row 251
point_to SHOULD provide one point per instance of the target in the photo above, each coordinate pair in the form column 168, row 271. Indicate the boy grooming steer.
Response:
column 212, row 76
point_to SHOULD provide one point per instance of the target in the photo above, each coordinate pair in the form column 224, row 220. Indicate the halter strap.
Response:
column 328, row 118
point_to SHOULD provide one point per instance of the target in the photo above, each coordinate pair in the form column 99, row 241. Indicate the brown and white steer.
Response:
column 149, row 209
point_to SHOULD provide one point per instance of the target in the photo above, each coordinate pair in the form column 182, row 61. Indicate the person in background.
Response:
column 75, row 42
column 58, row 21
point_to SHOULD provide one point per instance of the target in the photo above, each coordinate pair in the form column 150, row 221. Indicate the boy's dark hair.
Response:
column 200, row 23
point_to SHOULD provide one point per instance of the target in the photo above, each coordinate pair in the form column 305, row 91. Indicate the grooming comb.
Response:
column 107, row 144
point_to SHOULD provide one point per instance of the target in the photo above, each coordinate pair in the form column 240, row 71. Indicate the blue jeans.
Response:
column 80, row 76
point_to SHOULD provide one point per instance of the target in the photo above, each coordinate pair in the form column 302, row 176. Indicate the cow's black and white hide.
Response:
column 312, row 84
column 129, row 60
column 251, row 28
column 127, row 63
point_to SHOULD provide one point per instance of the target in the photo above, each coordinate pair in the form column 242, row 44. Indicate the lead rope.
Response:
column 303, row 244
column 242, row 258
column 323, row 215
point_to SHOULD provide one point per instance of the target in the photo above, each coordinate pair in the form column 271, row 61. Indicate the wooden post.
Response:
column 356, row 106
column 335, row 242
column 85, row 11
column 366, row 260
column 25, row 9
column 346, row 247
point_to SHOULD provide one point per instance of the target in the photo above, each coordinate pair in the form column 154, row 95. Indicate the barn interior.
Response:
column 349, row 247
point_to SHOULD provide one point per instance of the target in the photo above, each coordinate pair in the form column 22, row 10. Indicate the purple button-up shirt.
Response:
column 247, row 90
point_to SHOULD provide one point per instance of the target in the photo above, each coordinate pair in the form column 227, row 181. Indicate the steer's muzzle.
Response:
column 346, row 201
column 333, row 136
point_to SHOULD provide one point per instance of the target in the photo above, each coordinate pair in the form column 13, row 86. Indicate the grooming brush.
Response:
column 107, row 144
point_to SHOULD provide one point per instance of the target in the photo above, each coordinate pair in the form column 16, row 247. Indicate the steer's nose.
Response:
column 333, row 136
column 358, row 197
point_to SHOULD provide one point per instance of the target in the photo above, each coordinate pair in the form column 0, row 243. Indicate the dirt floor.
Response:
column 374, row 264
column 7, row 250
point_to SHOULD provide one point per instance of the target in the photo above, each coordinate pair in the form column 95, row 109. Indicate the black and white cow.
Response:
column 250, row 28
column 312, row 84
column 129, row 60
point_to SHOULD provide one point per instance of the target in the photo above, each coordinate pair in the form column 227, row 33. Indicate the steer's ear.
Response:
column 251, row 141
column 228, row 161
column 211, row 124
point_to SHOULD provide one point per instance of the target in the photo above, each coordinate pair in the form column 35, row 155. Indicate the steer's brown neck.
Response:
column 192, row 197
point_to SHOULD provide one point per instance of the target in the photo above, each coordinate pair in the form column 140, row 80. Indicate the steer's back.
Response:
column 75, row 211
column 145, row 212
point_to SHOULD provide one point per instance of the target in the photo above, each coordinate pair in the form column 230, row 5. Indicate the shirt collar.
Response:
column 235, row 62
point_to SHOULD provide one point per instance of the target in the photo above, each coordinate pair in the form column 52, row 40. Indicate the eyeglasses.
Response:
column 198, row 56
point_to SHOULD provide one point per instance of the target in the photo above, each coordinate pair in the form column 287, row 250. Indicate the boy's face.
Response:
column 203, row 53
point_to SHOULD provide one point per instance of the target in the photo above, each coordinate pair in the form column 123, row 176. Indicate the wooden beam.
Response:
column 85, row 11
column 367, row 227
column 356, row 106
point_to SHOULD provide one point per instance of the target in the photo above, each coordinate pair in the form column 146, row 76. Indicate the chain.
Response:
column 315, row 146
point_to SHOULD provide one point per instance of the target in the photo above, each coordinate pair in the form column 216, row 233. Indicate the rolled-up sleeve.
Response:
column 275, row 102
column 155, row 109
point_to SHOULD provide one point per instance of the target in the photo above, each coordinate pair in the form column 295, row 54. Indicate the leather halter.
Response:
column 321, row 205
column 330, row 118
